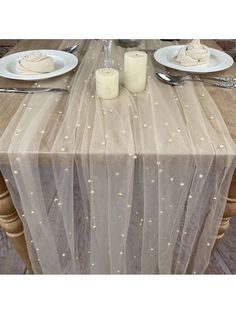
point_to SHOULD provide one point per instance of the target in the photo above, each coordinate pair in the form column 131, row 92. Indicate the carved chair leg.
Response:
column 230, row 210
column 12, row 225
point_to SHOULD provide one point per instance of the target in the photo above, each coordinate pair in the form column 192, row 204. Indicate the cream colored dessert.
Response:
column 35, row 63
column 193, row 53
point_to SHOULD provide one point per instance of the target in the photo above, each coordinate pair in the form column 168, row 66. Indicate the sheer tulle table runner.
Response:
column 137, row 184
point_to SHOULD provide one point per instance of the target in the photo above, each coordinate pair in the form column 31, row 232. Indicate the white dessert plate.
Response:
column 218, row 61
column 63, row 61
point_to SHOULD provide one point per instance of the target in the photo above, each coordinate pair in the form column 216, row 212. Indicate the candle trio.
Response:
column 135, row 73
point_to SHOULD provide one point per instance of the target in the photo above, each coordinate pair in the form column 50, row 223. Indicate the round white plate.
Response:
column 218, row 61
column 63, row 61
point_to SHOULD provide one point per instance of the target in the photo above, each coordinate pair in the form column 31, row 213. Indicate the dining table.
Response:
column 50, row 212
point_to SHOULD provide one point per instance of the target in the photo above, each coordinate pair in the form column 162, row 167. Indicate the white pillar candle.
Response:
column 107, row 83
column 135, row 71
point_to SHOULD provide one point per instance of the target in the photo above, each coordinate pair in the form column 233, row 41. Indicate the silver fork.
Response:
column 222, row 78
column 197, row 78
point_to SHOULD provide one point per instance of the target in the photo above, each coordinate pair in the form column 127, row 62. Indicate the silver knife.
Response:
column 33, row 90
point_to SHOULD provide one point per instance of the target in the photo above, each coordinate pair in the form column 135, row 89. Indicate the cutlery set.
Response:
column 175, row 80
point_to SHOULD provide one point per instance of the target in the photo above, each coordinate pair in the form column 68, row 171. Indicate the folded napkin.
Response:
column 193, row 53
column 35, row 63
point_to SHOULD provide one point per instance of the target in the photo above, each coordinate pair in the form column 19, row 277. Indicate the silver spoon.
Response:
column 179, row 80
column 72, row 49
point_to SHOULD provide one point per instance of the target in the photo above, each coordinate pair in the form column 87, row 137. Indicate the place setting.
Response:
column 194, row 59
column 38, row 65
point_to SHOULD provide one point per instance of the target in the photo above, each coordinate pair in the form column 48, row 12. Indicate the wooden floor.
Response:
column 223, row 260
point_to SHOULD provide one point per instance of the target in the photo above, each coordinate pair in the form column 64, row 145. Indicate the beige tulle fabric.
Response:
column 137, row 184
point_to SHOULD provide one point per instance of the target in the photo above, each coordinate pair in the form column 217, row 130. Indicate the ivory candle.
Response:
column 107, row 83
column 135, row 71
